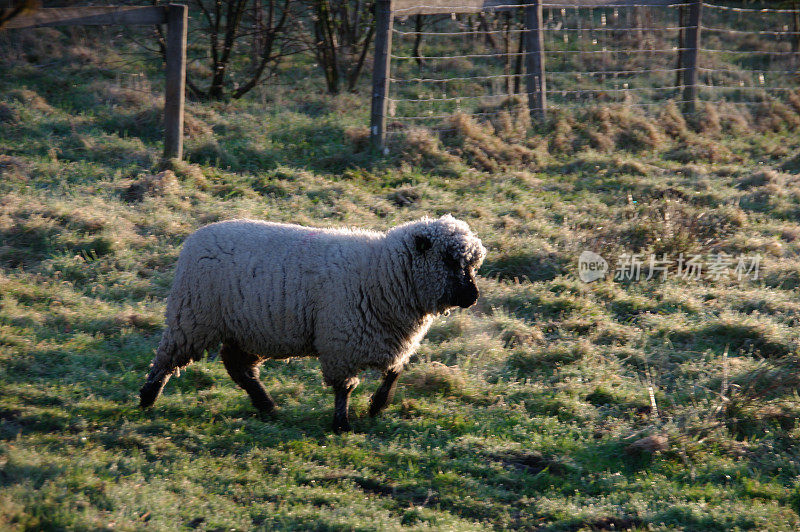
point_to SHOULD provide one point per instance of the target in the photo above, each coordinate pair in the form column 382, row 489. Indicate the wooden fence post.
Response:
column 177, row 17
column 380, row 72
column 692, row 46
column 796, row 28
column 534, row 61
column 681, row 44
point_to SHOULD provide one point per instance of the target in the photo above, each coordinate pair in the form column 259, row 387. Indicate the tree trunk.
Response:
column 417, row 39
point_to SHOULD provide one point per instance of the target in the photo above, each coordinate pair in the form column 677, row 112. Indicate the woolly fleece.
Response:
column 356, row 299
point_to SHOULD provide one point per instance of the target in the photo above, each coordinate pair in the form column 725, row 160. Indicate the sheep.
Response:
column 356, row 299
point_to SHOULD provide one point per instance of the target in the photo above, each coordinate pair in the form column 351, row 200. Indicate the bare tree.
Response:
column 343, row 32
column 247, row 39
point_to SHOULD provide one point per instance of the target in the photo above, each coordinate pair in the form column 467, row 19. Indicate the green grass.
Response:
column 519, row 413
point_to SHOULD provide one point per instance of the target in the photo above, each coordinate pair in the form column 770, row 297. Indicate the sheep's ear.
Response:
column 422, row 243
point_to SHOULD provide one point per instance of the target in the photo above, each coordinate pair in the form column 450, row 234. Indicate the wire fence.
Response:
column 629, row 54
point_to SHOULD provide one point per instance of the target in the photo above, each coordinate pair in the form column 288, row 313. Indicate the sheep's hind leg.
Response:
column 383, row 395
column 341, row 420
column 160, row 371
column 169, row 357
column 243, row 369
column 156, row 380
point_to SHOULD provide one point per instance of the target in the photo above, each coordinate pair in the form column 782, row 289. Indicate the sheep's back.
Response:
column 261, row 283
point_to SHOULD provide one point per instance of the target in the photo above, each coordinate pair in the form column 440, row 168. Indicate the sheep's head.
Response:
column 445, row 255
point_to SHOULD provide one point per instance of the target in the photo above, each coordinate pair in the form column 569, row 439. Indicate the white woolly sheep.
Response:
column 355, row 299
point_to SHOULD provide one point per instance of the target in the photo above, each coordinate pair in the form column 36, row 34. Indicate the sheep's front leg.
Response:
column 383, row 395
column 243, row 369
column 341, row 421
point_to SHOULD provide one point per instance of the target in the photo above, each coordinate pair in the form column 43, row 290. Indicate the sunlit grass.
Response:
column 522, row 412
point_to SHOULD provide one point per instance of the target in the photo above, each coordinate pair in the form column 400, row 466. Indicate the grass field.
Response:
column 553, row 404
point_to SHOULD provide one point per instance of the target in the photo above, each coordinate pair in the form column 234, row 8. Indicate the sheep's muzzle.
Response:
column 466, row 294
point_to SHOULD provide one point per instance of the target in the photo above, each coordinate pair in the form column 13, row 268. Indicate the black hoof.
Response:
column 266, row 415
column 375, row 409
column 341, row 425
column 149, row 393
column 264, row 406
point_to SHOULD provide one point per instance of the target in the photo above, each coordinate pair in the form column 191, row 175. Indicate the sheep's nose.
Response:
column 470, row 298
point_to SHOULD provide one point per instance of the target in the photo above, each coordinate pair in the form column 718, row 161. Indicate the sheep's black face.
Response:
column 462, row 289
column 445, row 257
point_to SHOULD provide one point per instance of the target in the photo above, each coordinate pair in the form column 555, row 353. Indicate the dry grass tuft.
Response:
column 8, row 114
column 139, row 320
column 776, row 116
column 563, row 137
column 709, row 122
column 482, row 148
column 671, row 119
column 436, row 378
column 510, row 118
column 404, row 196
column 625, row 165
column 162, row 184
column 14, row 168
column 149, row 124
column 189, row 172
column 83, row 54
column 621, row 127
column 761, row 178
column 733, row 119
column 420, row 147
column 123, row 96
column 698, row 148
column 794, row 101
column 656, row 443
column 358, row 136
column 30, row 99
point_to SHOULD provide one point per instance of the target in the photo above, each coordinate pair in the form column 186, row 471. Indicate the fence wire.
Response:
column 617, row 54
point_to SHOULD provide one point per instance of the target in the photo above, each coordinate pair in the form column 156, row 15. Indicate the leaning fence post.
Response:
column 177, row 16
column 534, row 61
column 380, row 72
column 692, row 46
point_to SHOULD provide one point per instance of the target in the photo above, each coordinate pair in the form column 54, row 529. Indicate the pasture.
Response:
column 554, row 404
